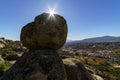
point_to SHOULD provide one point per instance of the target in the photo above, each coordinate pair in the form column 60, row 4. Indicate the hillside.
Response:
column 10, row 51
column 102, row 58
column 97, row 40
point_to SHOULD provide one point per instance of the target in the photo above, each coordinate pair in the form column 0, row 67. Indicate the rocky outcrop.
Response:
column 46, row 32
column 42, row 37
column 37, row 65
column 76, row 70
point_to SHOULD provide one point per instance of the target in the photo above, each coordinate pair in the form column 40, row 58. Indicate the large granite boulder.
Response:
column 37, row 65
column 76, row 70
column 46, row 32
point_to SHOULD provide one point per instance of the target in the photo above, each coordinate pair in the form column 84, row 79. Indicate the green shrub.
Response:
column 4, row 67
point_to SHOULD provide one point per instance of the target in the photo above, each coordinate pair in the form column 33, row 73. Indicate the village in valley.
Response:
column 107, row 50
column 107, row 54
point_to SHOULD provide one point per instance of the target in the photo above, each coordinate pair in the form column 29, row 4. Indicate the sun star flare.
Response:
column 51, row 11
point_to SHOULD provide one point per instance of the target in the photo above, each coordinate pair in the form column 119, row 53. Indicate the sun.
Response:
column 51, row 11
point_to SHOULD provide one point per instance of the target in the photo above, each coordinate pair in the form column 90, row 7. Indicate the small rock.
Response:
column 97, row 77
column 1, row 60
column 2, row 43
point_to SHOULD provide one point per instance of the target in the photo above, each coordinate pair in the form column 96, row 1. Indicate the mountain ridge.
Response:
column 102, row 39
column 98, row 39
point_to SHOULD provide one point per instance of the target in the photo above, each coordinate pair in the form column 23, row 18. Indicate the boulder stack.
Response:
column 42, row 37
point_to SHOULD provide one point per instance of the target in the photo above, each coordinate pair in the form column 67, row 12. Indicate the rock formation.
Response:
column 43, row 36
column 76, row 70
column 46, row 32
column 37, row 65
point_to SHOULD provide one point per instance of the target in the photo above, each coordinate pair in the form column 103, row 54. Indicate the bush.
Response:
column 4, row 67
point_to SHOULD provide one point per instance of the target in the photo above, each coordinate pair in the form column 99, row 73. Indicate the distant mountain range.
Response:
column 98, row 40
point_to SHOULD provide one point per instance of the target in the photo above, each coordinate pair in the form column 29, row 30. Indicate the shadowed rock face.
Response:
column 37, row 65
column 46, row 32
column 42, row 62
column 43, row 37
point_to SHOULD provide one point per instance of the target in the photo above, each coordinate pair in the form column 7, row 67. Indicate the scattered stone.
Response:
column 76, row 70
column 46, row 32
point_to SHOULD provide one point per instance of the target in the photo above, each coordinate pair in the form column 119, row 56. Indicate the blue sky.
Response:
column 85, row 18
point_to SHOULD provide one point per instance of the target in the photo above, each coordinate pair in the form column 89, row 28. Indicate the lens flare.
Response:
column 52, row 12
